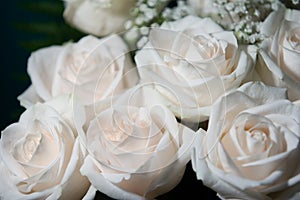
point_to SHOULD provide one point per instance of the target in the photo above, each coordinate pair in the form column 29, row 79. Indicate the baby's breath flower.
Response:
column 177, row 12
column 144, row 14
column 150, row 14
column 245, row 17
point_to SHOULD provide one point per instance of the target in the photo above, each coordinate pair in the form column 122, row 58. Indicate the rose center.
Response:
column 256, row 141
column 294, row 39
column 120, row 129
column 114, row 135
column 141, row 119
column 206, row 47
column 25, row 148
column 31, row 145
column 258, row 135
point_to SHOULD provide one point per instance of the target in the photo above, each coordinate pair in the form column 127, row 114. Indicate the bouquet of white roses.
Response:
column 154, row 85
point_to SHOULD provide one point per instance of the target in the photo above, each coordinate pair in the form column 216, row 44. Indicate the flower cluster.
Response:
column 245, row 17
column 121, row 111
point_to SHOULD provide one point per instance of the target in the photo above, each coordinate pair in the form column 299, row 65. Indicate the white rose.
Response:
column 98, row 17
column 279, row 59
column 192, row 62
column 40, row 156
column 91, row 68
column 135, row 152
column 251, row 149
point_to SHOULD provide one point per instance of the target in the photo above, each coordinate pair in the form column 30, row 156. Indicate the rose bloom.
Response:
column 92, row 68
column 192, row 62
column 251, row 148
column 279, row 58
column 98, row 17
column 40, row 156
column 135, row 152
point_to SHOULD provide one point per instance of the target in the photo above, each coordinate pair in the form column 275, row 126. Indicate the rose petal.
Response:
column 72, row 176
column 29, row 97
column 100, row 183
column 268, row 28
column 39, row 71
column 67, row 106
column 271, row 74
column 9, row 191
column 262, row 94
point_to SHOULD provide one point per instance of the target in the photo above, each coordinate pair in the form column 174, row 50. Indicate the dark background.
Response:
column 13, row 63
column 25, row 28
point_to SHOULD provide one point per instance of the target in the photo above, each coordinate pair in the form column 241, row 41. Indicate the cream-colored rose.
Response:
column 279, row 59
column 192, row 62
column 40, row 156
column 251, row 149
column 98, row 17
column 135, row 152
column 91, row 68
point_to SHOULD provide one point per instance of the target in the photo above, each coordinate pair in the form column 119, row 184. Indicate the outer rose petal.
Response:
column 28, row 97
column 91, row 170
column 8, row 190
column 41, row 68
column 271, row 74
column 71, row 110
column 73, row 181
column 272, row 22
column 262, row 94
